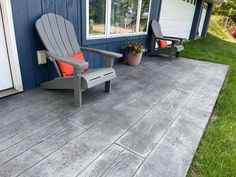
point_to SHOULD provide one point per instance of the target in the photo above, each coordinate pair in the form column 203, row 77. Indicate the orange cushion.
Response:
column 163, row 44
column 67, row 69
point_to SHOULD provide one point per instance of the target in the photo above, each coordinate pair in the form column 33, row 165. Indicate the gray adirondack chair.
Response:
column 58, row 37
column 172, row 50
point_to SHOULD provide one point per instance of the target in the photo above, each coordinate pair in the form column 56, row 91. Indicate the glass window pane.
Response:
column 97, row 13
column 144, row 15
column 123, row 16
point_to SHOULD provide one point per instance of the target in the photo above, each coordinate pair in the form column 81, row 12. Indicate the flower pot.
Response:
column 134, row 59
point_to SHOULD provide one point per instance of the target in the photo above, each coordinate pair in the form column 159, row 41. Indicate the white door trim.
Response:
column 11, row 44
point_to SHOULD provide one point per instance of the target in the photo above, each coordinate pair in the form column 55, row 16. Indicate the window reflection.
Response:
column 97, row 11
column 123, row 16
column 144, row 16
column 113, row 17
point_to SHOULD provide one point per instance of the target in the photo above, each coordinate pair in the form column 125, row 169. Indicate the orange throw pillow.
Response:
column 67, row 69
column 163, row 44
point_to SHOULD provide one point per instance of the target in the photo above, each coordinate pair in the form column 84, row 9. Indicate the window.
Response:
column 123, row 16
column 115, row 18
column 97, row 16
column 191, row 1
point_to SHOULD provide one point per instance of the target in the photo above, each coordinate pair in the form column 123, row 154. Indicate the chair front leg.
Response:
column 177, row 54
column 172, row 50
column 77, row 88
column 108, row 86
column 110, row 61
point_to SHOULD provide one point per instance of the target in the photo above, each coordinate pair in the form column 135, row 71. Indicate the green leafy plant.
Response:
column 135, row 48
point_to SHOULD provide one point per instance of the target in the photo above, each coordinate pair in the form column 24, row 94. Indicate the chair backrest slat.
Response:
column 49, row 31
column 156, row 28
column 58, row 36
column 72, row 37
column 64, row 35
column 44, row 37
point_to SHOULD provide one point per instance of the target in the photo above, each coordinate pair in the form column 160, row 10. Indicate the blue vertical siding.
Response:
column 23, row 42
column 34, row 12
column 196, row 19
column 25, row 14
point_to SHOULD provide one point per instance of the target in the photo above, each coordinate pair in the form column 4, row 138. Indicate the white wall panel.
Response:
column 203, row 16
column 176, row 17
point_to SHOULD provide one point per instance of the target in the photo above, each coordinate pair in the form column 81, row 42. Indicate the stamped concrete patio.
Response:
column 150, row 125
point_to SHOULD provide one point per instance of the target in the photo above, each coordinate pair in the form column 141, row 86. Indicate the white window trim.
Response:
column 11, row 44
column 139, row 15
column 107, row 34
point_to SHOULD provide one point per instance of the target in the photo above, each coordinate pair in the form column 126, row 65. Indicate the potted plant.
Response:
column 134, row 53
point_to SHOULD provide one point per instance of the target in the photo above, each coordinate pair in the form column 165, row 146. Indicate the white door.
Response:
column 203, row 16
column 176, row 17
column 5, row 71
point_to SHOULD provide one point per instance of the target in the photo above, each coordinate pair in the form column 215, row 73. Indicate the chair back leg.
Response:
column 77, row 90
column 108, row 86
column 172, row 51
column 177, row 54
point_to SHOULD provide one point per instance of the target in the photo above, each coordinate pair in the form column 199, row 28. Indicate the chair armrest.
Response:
column 102, row 52
column 179, row 38
column 75, row 63
column 168, row 39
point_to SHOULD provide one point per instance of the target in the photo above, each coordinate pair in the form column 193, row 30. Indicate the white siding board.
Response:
column 203, row 16
column 176, row 18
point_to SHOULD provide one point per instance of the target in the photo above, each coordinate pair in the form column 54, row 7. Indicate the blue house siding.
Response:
column 26, row 12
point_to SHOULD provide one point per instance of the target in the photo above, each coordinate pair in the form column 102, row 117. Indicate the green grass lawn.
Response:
column 216, row 156
column 217, row 28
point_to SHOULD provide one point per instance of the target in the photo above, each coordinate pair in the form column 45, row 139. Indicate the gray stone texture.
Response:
column 149, row 126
